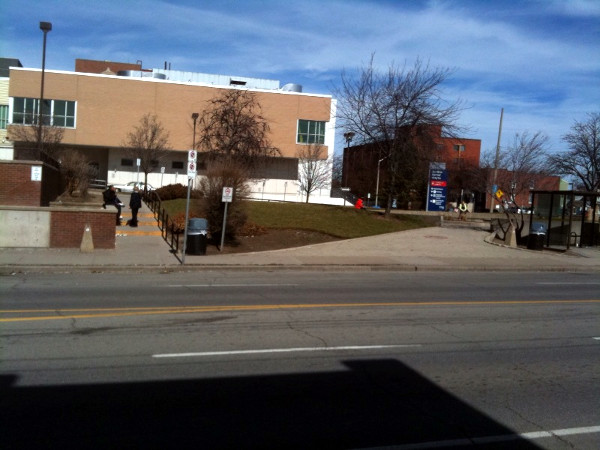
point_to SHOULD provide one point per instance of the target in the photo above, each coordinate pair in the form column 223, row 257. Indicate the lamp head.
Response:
column 46, row 26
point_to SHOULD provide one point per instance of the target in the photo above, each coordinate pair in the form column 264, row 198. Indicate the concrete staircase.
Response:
column 147, row 224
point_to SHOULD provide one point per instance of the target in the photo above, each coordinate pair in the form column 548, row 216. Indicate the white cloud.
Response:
column 537, row 59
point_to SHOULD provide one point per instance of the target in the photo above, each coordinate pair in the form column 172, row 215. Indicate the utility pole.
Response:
column 496, row 160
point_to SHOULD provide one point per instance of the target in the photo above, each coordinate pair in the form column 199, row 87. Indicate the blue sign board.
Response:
column 437, row 188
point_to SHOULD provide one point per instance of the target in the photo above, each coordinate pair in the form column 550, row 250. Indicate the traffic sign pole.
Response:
column 226, row 198
column 192, row 156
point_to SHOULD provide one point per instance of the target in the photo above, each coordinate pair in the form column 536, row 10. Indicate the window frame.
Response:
column 4, row 110
column 23, row 111
column 314, row 131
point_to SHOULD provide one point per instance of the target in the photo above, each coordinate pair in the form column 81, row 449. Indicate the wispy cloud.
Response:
column 537, row 59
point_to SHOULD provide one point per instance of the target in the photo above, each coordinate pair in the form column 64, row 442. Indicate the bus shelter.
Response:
column 571, row 218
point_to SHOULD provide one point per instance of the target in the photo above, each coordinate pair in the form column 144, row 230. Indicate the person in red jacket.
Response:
column 359, row 204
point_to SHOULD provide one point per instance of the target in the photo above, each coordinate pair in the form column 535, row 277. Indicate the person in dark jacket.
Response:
column 110, row 198
column 135, row 203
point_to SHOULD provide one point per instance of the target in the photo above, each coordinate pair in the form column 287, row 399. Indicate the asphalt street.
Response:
column 301, row 360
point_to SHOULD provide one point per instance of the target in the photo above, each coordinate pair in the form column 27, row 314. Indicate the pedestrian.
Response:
column 110, row 198
column 135, row 203
column 359, row 204
column 462, row 211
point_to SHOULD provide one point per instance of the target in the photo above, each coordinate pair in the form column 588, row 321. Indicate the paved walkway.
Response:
column 432, row 249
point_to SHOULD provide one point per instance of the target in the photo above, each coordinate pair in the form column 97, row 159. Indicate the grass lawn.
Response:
column 339, row 221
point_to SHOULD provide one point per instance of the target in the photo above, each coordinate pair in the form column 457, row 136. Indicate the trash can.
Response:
column 537, row 237
column 196, row 237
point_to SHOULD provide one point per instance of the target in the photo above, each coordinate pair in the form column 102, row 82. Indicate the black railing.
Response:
column 169, row 230
column 345, row 194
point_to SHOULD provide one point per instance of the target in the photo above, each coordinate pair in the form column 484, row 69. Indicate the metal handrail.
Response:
column 165, row 223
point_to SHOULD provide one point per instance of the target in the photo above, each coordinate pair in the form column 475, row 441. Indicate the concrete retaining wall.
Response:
column 25, row 228
column 55, row 227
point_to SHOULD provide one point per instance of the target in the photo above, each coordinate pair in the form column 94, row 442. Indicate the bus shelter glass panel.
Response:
column 589, row 221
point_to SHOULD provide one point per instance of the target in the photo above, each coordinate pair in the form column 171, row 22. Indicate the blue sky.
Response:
column 539, row 59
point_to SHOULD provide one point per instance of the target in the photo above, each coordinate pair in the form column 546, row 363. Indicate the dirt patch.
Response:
column 269, row 239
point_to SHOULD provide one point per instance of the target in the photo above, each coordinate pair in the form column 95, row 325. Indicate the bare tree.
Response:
column 337, row 166
column 314, row 168
column 399, row 112
column 149, row 142
column 520, row 167
column 221, row 174
column 582, row 161
column 235, row 136
column 525, row 162
column 76, row 172
column 28, row 139
column 232, row 128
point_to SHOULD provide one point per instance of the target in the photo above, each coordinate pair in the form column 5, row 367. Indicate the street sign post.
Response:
column 226, row 197
column 191, row 172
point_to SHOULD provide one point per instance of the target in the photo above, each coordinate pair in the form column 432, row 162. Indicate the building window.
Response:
column 311, row 132
column 63, row 114
column 177, row 165
column 127, row 162
column 3, row 116
column 60, row 113
column 459, row 148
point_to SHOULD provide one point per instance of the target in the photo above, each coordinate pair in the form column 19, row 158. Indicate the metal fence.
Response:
column 168, row 228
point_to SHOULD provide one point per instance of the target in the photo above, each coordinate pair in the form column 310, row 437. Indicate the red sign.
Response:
column 439, row 183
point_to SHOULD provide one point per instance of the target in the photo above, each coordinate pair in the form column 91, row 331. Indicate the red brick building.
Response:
column 362, row 163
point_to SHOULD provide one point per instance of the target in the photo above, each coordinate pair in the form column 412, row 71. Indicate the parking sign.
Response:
column 227, row 195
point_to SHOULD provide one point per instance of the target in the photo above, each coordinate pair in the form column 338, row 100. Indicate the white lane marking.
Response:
column 597, row 338
column 569, row 283
column 493, row 439
column 230, row 285
column 283, row 350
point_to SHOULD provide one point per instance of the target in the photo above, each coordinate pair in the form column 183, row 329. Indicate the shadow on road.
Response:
column 374, row 403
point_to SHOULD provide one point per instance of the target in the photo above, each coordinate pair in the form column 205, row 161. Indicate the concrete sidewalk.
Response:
column 433, row 249
column 429, row 249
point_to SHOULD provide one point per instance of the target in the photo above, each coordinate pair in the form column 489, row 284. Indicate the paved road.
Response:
column 300, row 360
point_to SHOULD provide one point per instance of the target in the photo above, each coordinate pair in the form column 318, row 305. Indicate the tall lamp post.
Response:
column 45, row 27
column 194, row 118
column 377, row 187
column 348, row 137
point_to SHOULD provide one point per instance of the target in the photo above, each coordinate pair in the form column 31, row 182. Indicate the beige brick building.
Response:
column 97, row 110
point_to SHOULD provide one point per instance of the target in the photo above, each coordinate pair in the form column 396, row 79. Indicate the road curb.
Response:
column 16, row 269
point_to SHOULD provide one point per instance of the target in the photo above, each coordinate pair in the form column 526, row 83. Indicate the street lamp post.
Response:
column 348, row 137
column 194, row 118
column 45, row 27
column 377, row 186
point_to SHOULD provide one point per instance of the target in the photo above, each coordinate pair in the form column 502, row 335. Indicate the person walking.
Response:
column 135, row 203
column 462, row 211
column 110, row 198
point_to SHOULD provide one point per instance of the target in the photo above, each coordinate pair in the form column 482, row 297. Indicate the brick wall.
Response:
column 16, row 186
column 18, row 189
column 67, row 227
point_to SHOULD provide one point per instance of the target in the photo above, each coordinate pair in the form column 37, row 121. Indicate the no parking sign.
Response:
column 227, row 195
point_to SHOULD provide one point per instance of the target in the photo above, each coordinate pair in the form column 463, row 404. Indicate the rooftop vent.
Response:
column 292, row 87
column 141, row 74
